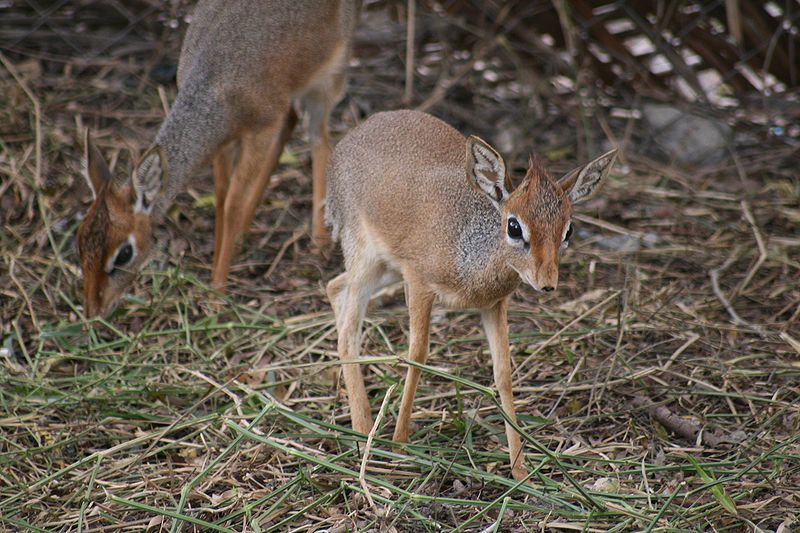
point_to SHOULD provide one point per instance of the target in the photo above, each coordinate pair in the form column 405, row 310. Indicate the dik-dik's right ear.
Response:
column 95, row 170
column 580, row 183
column 486, row 171
column 149, row 178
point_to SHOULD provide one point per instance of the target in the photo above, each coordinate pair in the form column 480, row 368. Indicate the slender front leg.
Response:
column 221, row 167
column 495, row 324
column 420, row 301
column 319, row 103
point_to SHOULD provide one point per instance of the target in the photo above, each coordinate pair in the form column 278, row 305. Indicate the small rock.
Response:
column 736, row 437
column 687, row 138
column 605, row 485
column 177, row 247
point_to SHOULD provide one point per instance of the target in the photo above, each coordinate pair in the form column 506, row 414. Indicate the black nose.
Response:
column 547, row 289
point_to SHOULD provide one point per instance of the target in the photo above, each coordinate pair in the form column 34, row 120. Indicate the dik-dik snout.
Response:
column 536, row 246
column 115, row 237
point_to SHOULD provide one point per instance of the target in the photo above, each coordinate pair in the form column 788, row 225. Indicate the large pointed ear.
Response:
column 149, row 178
column 580, row 183
column 94, row 167
column 486, row 171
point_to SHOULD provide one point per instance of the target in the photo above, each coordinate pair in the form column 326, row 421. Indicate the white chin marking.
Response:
column 524, row 277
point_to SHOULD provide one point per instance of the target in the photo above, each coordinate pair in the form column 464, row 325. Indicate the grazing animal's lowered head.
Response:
column 115, row 238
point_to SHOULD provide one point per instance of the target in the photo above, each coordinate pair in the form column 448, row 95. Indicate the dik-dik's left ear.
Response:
column 486, row 171
column 580, row 183
column 94, row 167
column 149, row 178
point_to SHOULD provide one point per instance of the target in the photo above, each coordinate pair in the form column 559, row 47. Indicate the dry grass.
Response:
column 188, row 409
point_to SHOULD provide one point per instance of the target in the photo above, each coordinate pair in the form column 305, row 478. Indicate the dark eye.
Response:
column 514, row 229
column 123, row 256
column 569, row 233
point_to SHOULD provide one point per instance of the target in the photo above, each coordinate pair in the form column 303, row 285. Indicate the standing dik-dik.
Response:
column 242, row 64
column 410, row 196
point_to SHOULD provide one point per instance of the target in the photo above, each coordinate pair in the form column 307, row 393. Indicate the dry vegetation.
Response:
column 678, row 310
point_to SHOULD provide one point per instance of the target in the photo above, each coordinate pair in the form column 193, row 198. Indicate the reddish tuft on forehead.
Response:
column 541, row 196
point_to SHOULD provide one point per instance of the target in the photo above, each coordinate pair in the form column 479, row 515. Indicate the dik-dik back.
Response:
column 242, row 65
column 253, row 56
column 423, row 194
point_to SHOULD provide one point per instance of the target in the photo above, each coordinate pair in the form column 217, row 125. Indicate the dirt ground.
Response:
column 678, row 310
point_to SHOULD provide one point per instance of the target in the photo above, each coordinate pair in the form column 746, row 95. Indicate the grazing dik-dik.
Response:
column 409, row 196
column 242, row 65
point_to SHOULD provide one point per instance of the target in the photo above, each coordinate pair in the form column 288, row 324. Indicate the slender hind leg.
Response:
column 259, row 156
column 349, row 294
column 273, row 156
column 319, row 103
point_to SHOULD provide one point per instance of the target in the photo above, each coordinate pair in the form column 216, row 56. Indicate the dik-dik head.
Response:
column 115, row 238
column 536, row 215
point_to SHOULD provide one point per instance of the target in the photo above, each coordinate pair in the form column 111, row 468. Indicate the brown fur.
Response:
column 410, row 197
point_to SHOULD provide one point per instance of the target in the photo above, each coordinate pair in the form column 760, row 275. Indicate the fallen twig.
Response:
column 408, row 94
column 685, row 428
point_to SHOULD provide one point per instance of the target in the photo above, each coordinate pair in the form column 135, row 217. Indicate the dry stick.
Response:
column 363, row 471
column 444, row 84
column 608, row 226
column 693, row 337
column 570, row 378
column 762, row 250
column 622, row 310
column 791, row 341
column 734, row 16
column 671, row 421
column 291, row 240
column 714, row 274
column 569, row 32
column 567, row 29
column 410, row 36
column 24, row 293
column 162, row 95
column 773, row 43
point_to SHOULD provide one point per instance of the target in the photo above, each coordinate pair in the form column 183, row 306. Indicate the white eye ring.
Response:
column 522, row 241
column 110, row 266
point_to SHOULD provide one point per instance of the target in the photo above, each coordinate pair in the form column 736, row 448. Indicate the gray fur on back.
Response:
column 241, row 64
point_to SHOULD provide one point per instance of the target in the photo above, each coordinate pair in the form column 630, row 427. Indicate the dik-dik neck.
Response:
column 482, row 261
column 193, row 131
